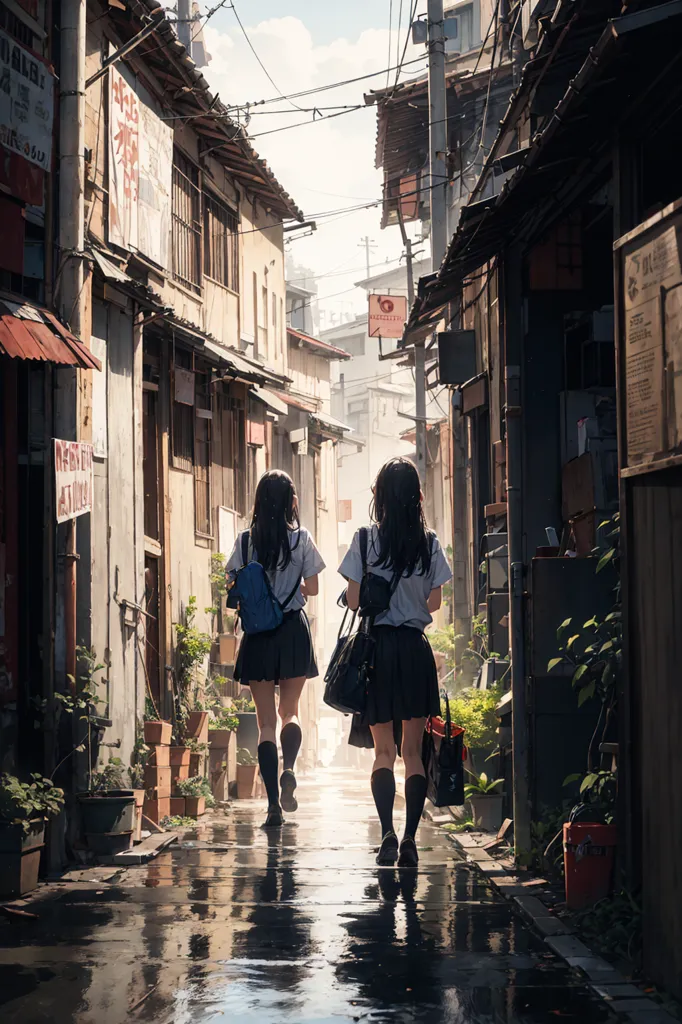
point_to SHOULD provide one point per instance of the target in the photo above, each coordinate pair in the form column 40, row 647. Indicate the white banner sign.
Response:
column 73, row 478
column 26, row 103
column 387, row 316
column 141, row 172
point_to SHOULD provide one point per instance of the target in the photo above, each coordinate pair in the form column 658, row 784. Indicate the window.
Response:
column 202, row 454
column 183, row 412
column 263, row 336
column 274, row 321
column 281, row 326
column 221, row 243
column 186, row 222
column 464, row 40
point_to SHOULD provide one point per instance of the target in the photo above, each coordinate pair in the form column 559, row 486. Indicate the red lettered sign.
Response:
column 73, row 478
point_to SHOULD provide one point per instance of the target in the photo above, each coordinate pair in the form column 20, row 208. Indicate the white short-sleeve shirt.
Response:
column 306, row 561
column 408, row 603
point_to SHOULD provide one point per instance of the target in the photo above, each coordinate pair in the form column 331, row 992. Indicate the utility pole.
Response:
column 420, row 360
column 438, row 132
column 184, row 25
column 368, row 244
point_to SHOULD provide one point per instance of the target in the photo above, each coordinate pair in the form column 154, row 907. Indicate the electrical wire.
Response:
column 390, row 34
column 253, row 51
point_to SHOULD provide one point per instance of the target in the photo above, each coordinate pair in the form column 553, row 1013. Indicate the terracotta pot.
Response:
column 157, row 781
column 177, row 806
column 179, row 755
column 220, row 738
column 158, row 733
column 178, row 772
column 227, row 645
column 20, row 858
column 197, row 726
column 159, row 756
column 157, row 809
column 195, row 806
column 246, row 780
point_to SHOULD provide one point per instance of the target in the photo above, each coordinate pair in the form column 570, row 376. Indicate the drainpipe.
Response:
column 513, row 293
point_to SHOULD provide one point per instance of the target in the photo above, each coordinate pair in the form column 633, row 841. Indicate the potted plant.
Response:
column 485, row 801
column 247, row 731
column 136, row 774
column 247, row 767
column 156, row 732
column 191, row 650
column 108, row 810
column 24, row 806
column 197, row 794
column 222, row 729
column 197, row 755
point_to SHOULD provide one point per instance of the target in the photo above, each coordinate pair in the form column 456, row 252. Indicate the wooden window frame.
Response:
column 186, row 235
column 221, row 243
column 203, row 453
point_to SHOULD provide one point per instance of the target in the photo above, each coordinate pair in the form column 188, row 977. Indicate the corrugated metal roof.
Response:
column 27, row 332
column 323, row 348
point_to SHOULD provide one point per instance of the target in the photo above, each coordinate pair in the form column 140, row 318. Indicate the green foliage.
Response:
column 614, row 926
column 150, row 712
column 177, row 821
column 192, row 647
column 467, row 825
column 112, row 776
column 474, row 711
column 594, row 650
column 245, row 757
column 225, row 721
column 197, row 785
column 481, row 786
column 24, row 802
column 445, row 640
column 217, row 577
column 546, row 854
column 196, row 747
column 243, row 705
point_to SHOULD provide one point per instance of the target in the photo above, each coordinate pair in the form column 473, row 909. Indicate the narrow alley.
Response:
column 237, row 924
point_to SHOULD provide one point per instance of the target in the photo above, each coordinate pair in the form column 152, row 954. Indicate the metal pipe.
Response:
column 72, row 159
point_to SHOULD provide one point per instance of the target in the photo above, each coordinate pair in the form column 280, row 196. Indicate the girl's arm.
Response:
column 435, row 599
column 353, row 595
column 311, row 586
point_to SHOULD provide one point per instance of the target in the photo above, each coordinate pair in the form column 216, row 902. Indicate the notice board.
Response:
column 649, row 279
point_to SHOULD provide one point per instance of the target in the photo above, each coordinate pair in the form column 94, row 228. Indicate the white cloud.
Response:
column 327, row 165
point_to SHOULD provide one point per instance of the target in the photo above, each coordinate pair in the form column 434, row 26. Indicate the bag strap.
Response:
column 291, row 596
column 245, row 547
column 363, row 548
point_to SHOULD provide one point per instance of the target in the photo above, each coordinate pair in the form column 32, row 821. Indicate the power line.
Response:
column 253, row 51
column 390, row 33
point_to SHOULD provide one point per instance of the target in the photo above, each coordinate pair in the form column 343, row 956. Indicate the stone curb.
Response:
column 604, row 980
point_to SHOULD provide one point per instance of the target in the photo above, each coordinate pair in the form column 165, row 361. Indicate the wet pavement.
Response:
column 241, row 925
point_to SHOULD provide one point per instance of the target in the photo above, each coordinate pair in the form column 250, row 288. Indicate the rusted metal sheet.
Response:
column 27, row 332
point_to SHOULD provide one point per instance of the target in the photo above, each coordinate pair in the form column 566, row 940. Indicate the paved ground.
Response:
column 235, row 924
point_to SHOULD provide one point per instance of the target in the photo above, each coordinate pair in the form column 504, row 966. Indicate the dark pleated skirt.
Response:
column 282, row 653
column 404, row 683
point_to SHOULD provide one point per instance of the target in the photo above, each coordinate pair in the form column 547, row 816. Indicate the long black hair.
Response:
column 397, row 509
column 274, row 516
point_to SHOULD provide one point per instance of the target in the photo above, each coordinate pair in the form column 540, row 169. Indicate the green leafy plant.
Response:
column 225, row 721
column 445, row 640
column 243, row 705
column 177, row 821
column 614, row 926
column 136, row 776
column 192, row 647
column 151, row 713
column 195, row 747
column 111, row 777
column 197, row 786
column 245, row 757
column 481, row 786
column 474, row 711
column 82, row 703
column 459, row 826
column 597, row 791
column 24, row 802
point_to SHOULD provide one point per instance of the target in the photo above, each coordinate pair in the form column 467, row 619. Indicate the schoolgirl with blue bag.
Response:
column 273, row 569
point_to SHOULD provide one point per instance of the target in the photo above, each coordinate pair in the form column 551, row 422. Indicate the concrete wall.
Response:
column 262, row 265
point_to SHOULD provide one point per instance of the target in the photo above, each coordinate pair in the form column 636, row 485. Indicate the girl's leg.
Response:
column 383, row 788
column 415, row 787
column 290, row 737
column 263, row 693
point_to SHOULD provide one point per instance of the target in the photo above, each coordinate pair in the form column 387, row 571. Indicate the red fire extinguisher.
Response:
column 589, row 850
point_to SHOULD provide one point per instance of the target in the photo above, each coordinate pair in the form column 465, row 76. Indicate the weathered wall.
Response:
column 262, row 255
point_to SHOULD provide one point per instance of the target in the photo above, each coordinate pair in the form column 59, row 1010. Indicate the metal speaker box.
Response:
column 456, row 356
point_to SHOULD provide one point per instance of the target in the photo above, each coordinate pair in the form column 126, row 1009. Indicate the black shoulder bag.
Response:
column 351, row 664
column 444, row 766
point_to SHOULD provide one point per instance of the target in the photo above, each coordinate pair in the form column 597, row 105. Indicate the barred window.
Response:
column 186, row 221
column 202, row 454
column 221, row 243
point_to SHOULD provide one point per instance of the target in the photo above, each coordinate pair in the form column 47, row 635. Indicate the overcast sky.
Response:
column 325, row 166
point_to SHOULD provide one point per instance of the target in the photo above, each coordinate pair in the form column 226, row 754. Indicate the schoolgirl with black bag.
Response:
column 395, row 571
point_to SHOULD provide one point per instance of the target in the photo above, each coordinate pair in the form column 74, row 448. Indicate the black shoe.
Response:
column 275, row 818
column 409, row 858
column 287, row 785
column 388, row 851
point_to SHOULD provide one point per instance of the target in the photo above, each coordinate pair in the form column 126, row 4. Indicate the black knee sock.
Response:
column 383, row 791
column 415, row 795
column 291, row 744
column 268, row 760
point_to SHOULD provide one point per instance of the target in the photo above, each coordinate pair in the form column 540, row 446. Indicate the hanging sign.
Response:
column 387, row 316
column 26, row 103
column 73, row 478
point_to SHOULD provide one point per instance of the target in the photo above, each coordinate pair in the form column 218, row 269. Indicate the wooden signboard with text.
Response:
column 649, row 342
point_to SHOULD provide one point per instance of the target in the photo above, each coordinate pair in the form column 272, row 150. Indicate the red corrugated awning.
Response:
column 27, row 332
